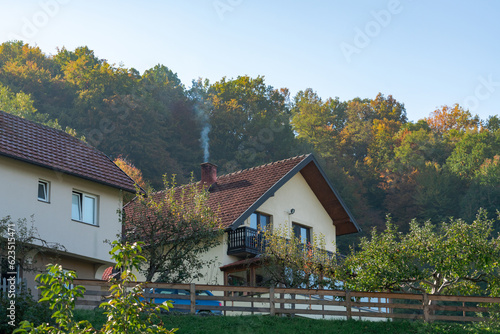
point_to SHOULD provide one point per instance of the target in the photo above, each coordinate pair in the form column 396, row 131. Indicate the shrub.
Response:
column 126, row 311
column 26, row 308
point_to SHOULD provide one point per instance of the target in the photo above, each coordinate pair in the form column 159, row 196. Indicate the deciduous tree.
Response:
column 453, row 118
column 177, row 226
column 288, row 262
column 455, row 257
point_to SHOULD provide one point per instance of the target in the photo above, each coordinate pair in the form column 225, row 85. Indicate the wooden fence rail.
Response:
column 319, row 303
column 7, row 287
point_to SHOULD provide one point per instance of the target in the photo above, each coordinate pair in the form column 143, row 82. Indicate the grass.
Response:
column 266, row 324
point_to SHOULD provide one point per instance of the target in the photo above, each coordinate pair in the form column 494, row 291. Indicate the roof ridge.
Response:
column 35, row 123
column 264, row 165
column 62, row 132
column 58, row 150
column 180, row 186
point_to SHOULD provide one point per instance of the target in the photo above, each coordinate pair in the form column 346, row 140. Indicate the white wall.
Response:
column 295, row 194
column 19, row 199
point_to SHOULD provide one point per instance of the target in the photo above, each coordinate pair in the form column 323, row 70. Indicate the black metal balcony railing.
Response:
column 244, row 241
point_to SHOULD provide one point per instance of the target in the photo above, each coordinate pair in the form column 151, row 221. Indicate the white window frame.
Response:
column 82, row 217
column 47, row 191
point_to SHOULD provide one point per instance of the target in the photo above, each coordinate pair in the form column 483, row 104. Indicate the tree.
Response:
column 177, row 226
column 318, row 123
column 249, row 123
column 437, row 192
column 134, row 173
column 453, row 118
column 381, row 149
column 471, row 152
column 493, row 123
column 289, row 263
column 127, row 310
column 27, row 240
column 358, row 134
column 484, row 190
column 22, row 105
column 455, row 257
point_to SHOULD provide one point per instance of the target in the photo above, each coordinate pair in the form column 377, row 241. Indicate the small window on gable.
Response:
column 43, row 191
column 303, row 233
column 84, row 207
column 259, row 221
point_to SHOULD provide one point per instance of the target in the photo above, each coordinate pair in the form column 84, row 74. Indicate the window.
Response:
column 9, row 268
column 43, row 191
column 302, row 232
column 259, row 221
column 84, row 207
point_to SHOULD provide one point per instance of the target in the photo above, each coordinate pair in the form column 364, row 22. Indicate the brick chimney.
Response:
column 208, row 173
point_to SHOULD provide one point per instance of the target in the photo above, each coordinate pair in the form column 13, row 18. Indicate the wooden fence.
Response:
column 235, row 300
column 5, row 285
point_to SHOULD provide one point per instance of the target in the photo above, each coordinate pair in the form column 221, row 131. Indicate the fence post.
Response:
column 348, row 304
column 272, row 308
column 425, row 305
column 192, row 295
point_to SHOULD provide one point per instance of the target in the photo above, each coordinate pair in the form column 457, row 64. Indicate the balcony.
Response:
column 244, row 242
column 249, row 242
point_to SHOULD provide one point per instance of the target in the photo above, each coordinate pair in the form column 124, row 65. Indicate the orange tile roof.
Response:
column 237, row 192
column 237, row 195
column 54, row 149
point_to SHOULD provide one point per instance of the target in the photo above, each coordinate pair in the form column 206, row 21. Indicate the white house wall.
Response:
column 53, row 220
column 295, row 194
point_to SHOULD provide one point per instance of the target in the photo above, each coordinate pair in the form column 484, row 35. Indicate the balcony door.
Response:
column 303, row 233
column 259, row 221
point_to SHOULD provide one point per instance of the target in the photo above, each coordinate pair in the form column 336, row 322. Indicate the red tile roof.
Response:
column 237, row 195
column 54, row 149
column 237, row 192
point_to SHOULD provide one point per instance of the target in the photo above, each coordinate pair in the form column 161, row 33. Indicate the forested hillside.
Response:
column 445, row 165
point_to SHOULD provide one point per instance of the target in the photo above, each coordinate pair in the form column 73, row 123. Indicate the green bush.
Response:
column 126, row 311
column 26, row 309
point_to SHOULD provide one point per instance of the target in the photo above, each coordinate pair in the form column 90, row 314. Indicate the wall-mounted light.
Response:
column 291, row 212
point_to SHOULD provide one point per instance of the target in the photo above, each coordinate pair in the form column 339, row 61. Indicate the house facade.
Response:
column 70, row 191
column 293, row 193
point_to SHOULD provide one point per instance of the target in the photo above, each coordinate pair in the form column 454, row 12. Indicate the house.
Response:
column 73, row 191
column 294, row 192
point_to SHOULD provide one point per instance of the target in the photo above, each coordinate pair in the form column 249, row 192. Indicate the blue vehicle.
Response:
column 171, row 294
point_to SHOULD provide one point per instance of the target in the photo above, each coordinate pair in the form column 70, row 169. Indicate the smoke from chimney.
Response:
column 201, row 108
column 205, row 142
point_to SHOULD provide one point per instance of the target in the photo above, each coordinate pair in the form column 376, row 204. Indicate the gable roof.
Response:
column 237, row 195
column 54, row 149
column 240, row 194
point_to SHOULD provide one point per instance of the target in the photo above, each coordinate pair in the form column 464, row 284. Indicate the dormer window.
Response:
column 43, row 191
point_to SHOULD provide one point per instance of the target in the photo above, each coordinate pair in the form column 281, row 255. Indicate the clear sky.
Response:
column 425, row 53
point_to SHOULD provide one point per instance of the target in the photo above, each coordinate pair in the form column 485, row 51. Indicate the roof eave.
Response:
column 58, row 170
column 356, row 229
column 270, row 192
column 353, row 228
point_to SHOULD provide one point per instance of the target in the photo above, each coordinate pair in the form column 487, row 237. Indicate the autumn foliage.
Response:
column 379, row 161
